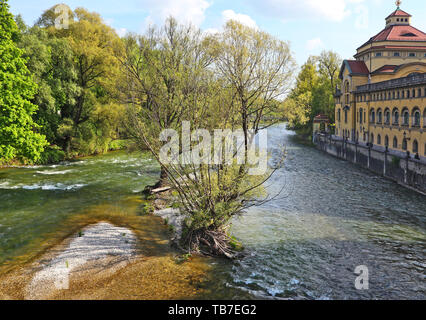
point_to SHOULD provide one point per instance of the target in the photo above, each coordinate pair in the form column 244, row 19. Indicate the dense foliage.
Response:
column 19, row 138
column 67, row 79
column 313, row 92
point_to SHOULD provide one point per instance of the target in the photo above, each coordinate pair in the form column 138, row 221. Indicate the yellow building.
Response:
column 382, row 100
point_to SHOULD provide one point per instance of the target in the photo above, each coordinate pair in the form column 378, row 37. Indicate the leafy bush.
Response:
column 118, row 145
column 52, row 154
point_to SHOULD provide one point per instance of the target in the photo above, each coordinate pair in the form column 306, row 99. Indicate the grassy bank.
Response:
column 54, row 154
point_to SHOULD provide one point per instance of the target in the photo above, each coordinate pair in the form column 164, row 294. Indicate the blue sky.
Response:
column 309, row 25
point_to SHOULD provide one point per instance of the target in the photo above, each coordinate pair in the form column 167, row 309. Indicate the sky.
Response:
column 310, row 26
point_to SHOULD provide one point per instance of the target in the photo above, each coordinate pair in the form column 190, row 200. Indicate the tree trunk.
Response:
column 163, row 182
column 68, row 145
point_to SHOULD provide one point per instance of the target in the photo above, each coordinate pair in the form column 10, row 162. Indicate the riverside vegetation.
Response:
column 81, row 90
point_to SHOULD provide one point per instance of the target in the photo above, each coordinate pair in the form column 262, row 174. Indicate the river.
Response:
column 330, row 218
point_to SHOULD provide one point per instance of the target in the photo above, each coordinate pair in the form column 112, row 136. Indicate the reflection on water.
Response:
column 330, row 218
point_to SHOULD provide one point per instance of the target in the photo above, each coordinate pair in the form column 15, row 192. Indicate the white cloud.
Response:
column 330, row 10
column 242, row 18
column 185, row 11
column 314, row 44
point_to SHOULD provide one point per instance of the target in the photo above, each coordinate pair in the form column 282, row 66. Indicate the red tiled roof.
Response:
column 358, row 67
column 321, row 118
column 355, row 67
column 399, row 13
column 400, row 33
column 386, row 69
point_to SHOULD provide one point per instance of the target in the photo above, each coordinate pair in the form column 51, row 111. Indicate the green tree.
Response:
column 51, row 61
column 93, row 44
column 227, row 81
column 164, row 73
column 329, row 64
column 299, row 106
column 313, row 91
column 18, row 136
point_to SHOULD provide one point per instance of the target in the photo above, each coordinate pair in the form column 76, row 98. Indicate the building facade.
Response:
column 382, row 100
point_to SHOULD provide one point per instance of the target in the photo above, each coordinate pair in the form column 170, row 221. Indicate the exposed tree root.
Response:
column 210, row 243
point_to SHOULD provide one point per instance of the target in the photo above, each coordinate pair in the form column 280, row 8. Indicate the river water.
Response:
column 330, row 217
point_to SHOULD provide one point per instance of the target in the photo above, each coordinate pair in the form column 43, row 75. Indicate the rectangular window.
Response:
column 412, row 54
column 396, row 54
column 378, row 54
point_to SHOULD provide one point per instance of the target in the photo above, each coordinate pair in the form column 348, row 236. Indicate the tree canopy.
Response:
column 18, row 132
column 313, row 91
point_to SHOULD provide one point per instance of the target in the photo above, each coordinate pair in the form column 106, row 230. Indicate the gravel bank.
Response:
column 97, row 246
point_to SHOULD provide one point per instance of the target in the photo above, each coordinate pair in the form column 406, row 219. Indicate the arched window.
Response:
column 424, row 118
column 379, row 139
column 404, row 144
column 347, row 92
column 415, row 146
column 360, row 115
column 338, row 114
column 387, row 116
column 405, row 117
column 395, row 116
column 372, row 116
column 386, row 141
column 379, row 116
column 416, row 117
column 395, row 142
column 346, row 116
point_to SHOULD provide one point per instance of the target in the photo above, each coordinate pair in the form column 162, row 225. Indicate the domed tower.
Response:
column 399, row 43
column 398, row 17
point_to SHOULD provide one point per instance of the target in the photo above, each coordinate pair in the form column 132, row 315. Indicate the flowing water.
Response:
column 36, row 201
column 330, row 217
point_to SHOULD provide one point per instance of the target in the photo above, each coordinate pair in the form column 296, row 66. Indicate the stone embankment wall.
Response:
column 398, row 166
